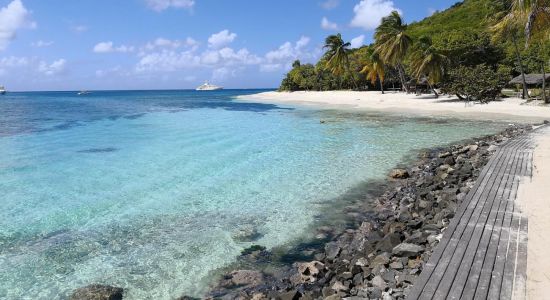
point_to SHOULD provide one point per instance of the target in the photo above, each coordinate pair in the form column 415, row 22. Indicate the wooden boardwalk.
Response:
column 483, row 252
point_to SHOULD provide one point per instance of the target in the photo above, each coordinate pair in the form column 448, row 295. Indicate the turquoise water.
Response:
column 148, row 190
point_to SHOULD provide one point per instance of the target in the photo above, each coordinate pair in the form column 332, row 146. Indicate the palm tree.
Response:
column 426, row 60
column 374, row 68
column 393, row 43
column 537, row 15
column 509, row 27
column 337, row 55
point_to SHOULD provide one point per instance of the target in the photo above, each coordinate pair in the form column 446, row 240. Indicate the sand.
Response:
column 510, row 109
column 534, row 195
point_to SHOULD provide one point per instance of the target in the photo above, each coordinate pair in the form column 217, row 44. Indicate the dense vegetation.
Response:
column 498, row 39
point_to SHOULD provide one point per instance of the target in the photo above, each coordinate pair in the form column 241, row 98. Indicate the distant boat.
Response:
column 83, row 93
column 209, row 87
column 2, row 90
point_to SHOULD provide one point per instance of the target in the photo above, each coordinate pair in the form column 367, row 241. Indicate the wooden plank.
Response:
column 511, row 257
column 490, row 256
column 476, row 245
column 428, row 269
column 520, row 278
column 466, row 226
column 504, row 243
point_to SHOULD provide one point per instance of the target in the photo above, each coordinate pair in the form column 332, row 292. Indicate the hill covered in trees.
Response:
column 472, row 36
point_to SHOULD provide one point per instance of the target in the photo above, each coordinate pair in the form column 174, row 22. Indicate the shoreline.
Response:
column 412, row 212
column 510, row 109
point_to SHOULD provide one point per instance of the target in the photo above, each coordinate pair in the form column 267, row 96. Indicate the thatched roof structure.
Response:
column 530, row 79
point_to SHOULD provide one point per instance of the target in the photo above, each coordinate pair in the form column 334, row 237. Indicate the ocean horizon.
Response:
column 157, row 191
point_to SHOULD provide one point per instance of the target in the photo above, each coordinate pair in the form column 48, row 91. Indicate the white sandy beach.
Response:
column 510, row 109
column 534, row 196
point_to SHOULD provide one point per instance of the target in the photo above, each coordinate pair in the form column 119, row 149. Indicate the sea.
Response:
column 157, row 191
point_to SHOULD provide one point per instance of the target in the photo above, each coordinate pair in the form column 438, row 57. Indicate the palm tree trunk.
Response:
column 520, row 64
column 433, row 90
column 544, row 84
column 381, row 85
column 402, row 77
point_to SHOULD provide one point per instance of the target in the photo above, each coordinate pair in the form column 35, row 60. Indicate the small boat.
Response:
column 83, row 93
column 209, row 87
column 2, row 90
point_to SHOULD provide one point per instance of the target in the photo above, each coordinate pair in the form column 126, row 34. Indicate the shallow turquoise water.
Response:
column 146, row 190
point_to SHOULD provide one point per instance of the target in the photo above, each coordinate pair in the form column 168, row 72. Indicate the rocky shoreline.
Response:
column 382, row 257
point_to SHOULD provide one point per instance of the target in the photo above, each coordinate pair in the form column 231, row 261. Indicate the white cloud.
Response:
column 369, row 13
column 283, row 57
column 12, row 18
column 79, row 28
column 220, row 39
column 358, row 41
column 162, row 43
column 287, row 51
column 54, row 68
column 42, row 44
column 330, row 4
column 108, row 47
column 160, row 5
column 270, row 67
column 222, row 73
column 328, row 25
column 13, row 61
column 168, row 60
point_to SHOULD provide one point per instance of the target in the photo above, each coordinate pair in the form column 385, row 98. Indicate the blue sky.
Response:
column 171, row 44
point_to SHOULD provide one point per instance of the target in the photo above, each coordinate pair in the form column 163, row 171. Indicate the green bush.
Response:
column 480, row 83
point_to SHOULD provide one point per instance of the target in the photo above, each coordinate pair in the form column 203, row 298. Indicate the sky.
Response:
column 177, row 44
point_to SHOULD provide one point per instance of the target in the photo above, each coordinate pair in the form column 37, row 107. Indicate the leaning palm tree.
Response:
column 535, row 14
column 393, row 43
column 374, row 68
column 337, row 55
column 427, row 61
column 509, row 27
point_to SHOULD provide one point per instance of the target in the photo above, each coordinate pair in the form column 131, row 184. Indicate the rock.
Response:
column 246, row 277
column 97, row 292
column 246, row 234
column 492, row 148
column 379, row 282
column 362, row 262
column 332, row 250
column 399, row 174
column 396, row 265
column 311, row 271
column 444, row 154
column 386, row 296
column 292, row 295
column 434, row 238
column 338, row 286
column 414, row 263
column 380, row 260
column 388, row 242
column 408, row 250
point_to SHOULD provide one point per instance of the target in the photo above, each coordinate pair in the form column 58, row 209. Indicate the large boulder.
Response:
column 310, row 272
column 407, row 250
column 244, row 278
column 97, row 292
column 399, row 174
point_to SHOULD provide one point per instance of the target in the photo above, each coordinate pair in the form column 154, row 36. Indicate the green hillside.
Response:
column 469, row 15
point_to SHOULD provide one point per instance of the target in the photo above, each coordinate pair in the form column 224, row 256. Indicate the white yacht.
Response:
column 209, row 87
column 2, row 90
column 83, row 93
